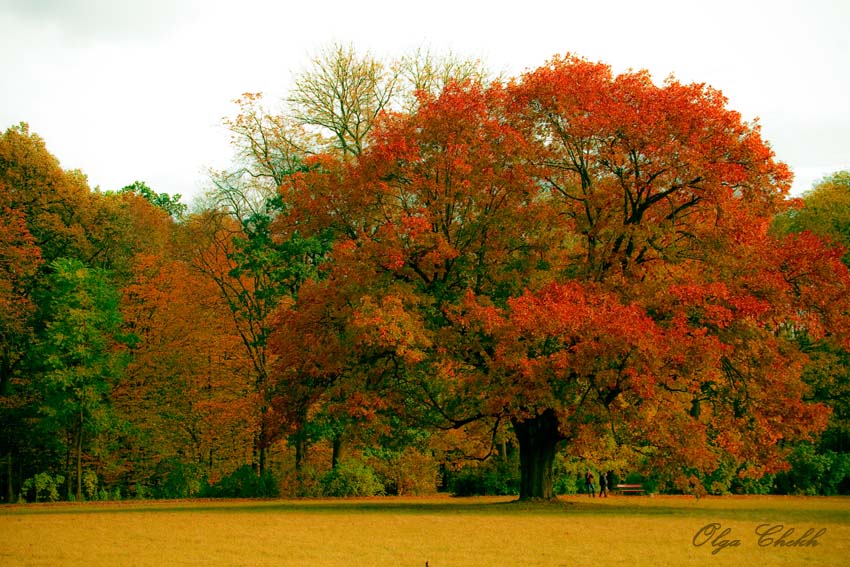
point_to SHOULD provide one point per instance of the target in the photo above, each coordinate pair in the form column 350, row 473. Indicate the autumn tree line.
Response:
column 418, row 274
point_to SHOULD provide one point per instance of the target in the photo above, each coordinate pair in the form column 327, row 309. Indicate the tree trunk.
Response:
column 259, row 464
column 68, row 455
column 338, row 450
column 79, row 449
column 300, row 449
column 10, row 493
column 262, row 466
column 538, row 440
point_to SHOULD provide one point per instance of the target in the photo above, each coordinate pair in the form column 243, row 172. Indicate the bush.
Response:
column 494, row 477
column 178, row 479
column 569, row 475
column 43, row 487
column 466, row 482
column 813, row 473
column 650, row 483
column 90, row 485
column 719, row 481
column 568, row 483
column 727, row 479
column 244, row 483
column 762, row 485
column 305, row 483
column 140, row 491
column 351, row 478
column 406, row 472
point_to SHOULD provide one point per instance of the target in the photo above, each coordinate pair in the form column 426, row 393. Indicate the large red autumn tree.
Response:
column 586, row 257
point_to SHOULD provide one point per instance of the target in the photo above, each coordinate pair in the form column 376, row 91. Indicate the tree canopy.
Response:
column 584, row 256
column 415, row 264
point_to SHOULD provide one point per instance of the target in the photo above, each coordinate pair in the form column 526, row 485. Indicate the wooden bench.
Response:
column 629, row 488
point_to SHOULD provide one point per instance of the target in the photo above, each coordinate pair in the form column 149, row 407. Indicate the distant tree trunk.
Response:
column 5, row 378
column 68, row 452
column 338, row 450
column 261, row 461
column 259, row 464
column 10, row 492
column 79, row 449
column 300, row 439
column 538, row 440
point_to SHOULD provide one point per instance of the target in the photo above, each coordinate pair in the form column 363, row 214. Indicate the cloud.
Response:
column 134, row 89
column 87, row 21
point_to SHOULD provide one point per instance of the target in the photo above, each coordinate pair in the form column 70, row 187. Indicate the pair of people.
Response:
column 590, row 487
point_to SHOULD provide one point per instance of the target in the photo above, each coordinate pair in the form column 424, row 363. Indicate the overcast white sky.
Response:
column 137, row 89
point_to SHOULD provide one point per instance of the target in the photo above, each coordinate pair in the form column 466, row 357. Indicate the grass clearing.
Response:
column 446, row 532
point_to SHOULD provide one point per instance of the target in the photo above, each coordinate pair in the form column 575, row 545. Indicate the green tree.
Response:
column 81, row 355
column 169, row 204
column 824, row 211
column 46, row 214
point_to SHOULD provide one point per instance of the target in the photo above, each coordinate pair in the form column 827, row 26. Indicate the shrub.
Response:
column 244, row 483
column 140, row 491
column 305, row 483
column 719, row 481
column 650, row 483
column 811, row 473
column 90, row 485
column 405, row 472
column 351, row 478
column 466, row 482
column 727, row 479
column 42, row 487
column 569, row 475
column 494, row 477
column 567, row 483
column 762, row 485
column 178, row 479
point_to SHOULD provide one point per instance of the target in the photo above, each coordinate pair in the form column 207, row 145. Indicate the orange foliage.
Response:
column 186, row 387
column 583, row 243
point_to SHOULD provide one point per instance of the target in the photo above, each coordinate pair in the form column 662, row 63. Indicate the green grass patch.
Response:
column 450, row 532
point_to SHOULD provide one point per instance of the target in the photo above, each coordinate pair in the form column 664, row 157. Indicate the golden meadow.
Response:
column 442, row 531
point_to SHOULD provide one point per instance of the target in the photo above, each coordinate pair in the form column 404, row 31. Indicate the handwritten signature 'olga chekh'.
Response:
column 719, row 538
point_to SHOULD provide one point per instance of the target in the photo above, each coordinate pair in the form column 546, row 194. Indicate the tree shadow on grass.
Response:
column 760, row 511
column 377, row 505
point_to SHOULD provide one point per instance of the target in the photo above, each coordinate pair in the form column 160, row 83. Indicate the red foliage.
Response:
column 577, row 242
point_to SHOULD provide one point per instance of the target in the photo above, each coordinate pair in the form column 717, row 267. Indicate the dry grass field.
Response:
column 445, row 532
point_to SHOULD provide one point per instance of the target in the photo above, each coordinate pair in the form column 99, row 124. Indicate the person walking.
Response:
column 603, row 485
column 588, row 483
